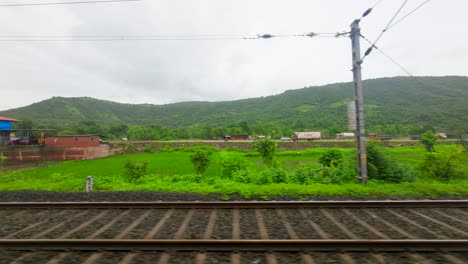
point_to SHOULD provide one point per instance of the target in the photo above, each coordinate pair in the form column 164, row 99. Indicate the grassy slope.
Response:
column 172, row 171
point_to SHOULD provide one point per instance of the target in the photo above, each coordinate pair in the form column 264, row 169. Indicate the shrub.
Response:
column 148, row 148
column 380, row 167
column 429, row 139
column 327, row 175
column 201, row 160
column 267, row 150
column 127, row 147
column 167, row 148
column 243, row 176
column 231, row 163
column 2, row 160
column 331, row 157
column 135, row 171
column 303, row 174
column 272, row 175
column 442, row 166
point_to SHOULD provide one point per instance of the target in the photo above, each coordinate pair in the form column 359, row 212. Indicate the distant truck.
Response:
column 341, row 136
column 306, row 136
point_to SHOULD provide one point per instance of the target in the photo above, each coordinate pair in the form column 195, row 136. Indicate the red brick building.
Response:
column 72, row 141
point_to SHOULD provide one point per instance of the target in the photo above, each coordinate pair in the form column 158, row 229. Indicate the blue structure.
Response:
column 5, row 129
column 5, row 125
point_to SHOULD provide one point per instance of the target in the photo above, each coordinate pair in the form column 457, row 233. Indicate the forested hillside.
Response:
column 396, row 106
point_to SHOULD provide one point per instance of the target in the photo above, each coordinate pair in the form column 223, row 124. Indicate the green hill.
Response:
column 398, row 105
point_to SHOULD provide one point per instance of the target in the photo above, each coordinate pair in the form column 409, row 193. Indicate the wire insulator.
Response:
column 368, row 51
column 367, row 12
column 265, row 36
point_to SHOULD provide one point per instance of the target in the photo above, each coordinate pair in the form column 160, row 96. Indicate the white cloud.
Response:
column 429, row 42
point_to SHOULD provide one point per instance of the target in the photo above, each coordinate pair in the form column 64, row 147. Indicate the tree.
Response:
column 201, row 160
column 267, row 150
column 429, row 139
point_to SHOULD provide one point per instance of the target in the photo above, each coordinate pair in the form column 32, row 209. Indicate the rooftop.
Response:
column 4, row 118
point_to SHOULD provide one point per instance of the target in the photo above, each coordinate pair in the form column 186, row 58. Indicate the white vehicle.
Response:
column 344, row 136
column 285, row 139
column 306, row 136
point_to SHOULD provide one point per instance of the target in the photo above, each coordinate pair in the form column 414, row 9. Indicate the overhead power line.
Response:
column 67, row 3
column 376, row 4
column 83, row 38
column 405, row 16
column 369, row 50
column 388, row 57
column 390, row 22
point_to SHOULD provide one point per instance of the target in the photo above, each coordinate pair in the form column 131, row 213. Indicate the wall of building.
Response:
column 41, row 153
column 71, row 141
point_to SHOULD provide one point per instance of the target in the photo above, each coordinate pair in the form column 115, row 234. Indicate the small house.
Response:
column 5, row 129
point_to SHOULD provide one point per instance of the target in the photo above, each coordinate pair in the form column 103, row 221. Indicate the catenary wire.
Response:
column 405, row 16
column 369, row 50
column 388, row 57
column 84, row 38
column 390, row 22
column 376, row 4
column 67, row 3
column 417, row 80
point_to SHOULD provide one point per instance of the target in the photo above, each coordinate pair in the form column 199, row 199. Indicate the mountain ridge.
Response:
column 390, row 103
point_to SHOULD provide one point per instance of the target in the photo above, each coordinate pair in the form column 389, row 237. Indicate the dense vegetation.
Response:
column 396, row 106
column 401, row 171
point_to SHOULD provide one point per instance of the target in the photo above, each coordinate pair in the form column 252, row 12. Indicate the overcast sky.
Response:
column 432, row 41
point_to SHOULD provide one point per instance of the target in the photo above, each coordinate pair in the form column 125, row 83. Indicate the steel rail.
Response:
column 293, row 245
column 243, row 204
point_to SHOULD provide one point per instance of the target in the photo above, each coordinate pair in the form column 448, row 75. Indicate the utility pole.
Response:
column 359, row 101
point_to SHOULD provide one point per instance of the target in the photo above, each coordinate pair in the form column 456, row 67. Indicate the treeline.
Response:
column 157, row 132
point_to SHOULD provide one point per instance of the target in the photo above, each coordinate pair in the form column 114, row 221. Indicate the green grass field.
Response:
column 173, row 172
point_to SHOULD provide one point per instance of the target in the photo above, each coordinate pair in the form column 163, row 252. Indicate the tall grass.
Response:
column 172, row 171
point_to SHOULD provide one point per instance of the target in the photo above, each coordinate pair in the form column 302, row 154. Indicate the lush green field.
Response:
column 172, row 171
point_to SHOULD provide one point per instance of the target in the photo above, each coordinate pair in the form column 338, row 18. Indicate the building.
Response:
column 72, row 141
column 6, row 129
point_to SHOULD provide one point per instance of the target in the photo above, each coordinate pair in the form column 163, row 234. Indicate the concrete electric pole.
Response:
column 358, row 99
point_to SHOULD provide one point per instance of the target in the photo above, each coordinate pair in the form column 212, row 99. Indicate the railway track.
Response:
column 235, row 232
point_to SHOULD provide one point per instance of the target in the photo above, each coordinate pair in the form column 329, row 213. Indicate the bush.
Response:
column 135, row 171
column 3, row 159
column 231, row 163
column 380, row 167
column 267, row 150
column 272, row 175
column 442, row 166
column 201, row 160
column 303, row 174
column 148, row 148
column 331, row 157
column 243, row 176
column 127, row 147
column 167, row 148
column 310, row 174
column 327, row 175
column 429, row 139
